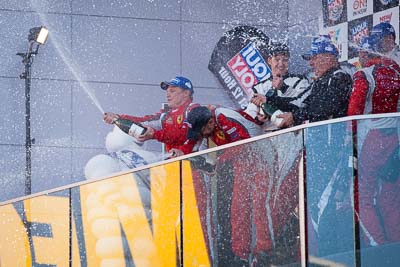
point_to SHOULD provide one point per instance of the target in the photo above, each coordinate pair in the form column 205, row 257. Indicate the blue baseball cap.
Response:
column 321, row 45
column 178, row 81
column 383, row 29
column 197, row 118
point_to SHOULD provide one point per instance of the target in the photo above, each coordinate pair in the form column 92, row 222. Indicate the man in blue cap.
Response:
column 385, row 36
column 376, row 89
column 166, row 126
column 327, row 96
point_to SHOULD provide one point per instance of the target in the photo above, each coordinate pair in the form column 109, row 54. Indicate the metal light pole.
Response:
column 37, row 36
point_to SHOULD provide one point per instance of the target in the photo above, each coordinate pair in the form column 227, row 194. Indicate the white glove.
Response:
column 276, row 121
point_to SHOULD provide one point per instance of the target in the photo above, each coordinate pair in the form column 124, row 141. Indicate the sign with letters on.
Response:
column 239, row 62
column 356, row 17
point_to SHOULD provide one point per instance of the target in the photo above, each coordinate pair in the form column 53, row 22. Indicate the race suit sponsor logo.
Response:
column 230, row 131
column 220, row 135
column 179, row 119
column 169, row 121
column 234, row 136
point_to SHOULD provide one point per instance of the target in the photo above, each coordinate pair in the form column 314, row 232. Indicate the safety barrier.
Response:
column 325, row 194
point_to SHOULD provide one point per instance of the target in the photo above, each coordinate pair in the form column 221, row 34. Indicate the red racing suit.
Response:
column 231, row 126
column 376, row 89
column 169, row 127
column 264, row 193
column 266, row 190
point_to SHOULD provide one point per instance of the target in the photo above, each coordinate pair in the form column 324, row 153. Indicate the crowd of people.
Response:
column 285, row 100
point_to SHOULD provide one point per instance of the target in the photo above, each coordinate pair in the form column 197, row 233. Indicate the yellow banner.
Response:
column 133, row 218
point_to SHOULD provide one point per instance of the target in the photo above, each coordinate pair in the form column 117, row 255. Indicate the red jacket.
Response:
column 230, row 126
column 376, row 88
column 173, row 129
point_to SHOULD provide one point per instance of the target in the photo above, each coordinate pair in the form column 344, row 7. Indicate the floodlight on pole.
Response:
column 37, row 37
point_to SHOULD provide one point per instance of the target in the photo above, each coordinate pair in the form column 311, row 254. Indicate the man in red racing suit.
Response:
column 376, row 90
column 223, row 126
column 256, row 206
column 166, row 126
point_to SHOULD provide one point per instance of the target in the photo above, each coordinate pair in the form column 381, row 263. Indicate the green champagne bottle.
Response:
column 269, row 109
column 129, row 127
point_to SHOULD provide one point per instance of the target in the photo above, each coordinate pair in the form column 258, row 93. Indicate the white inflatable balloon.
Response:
column 126, row 153
column 117, row 140
column 110, row 203
column 101, row 165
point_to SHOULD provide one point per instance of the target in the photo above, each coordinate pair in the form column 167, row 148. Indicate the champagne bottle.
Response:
column 271, row 110
column 268, row 108
column 130, row 127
